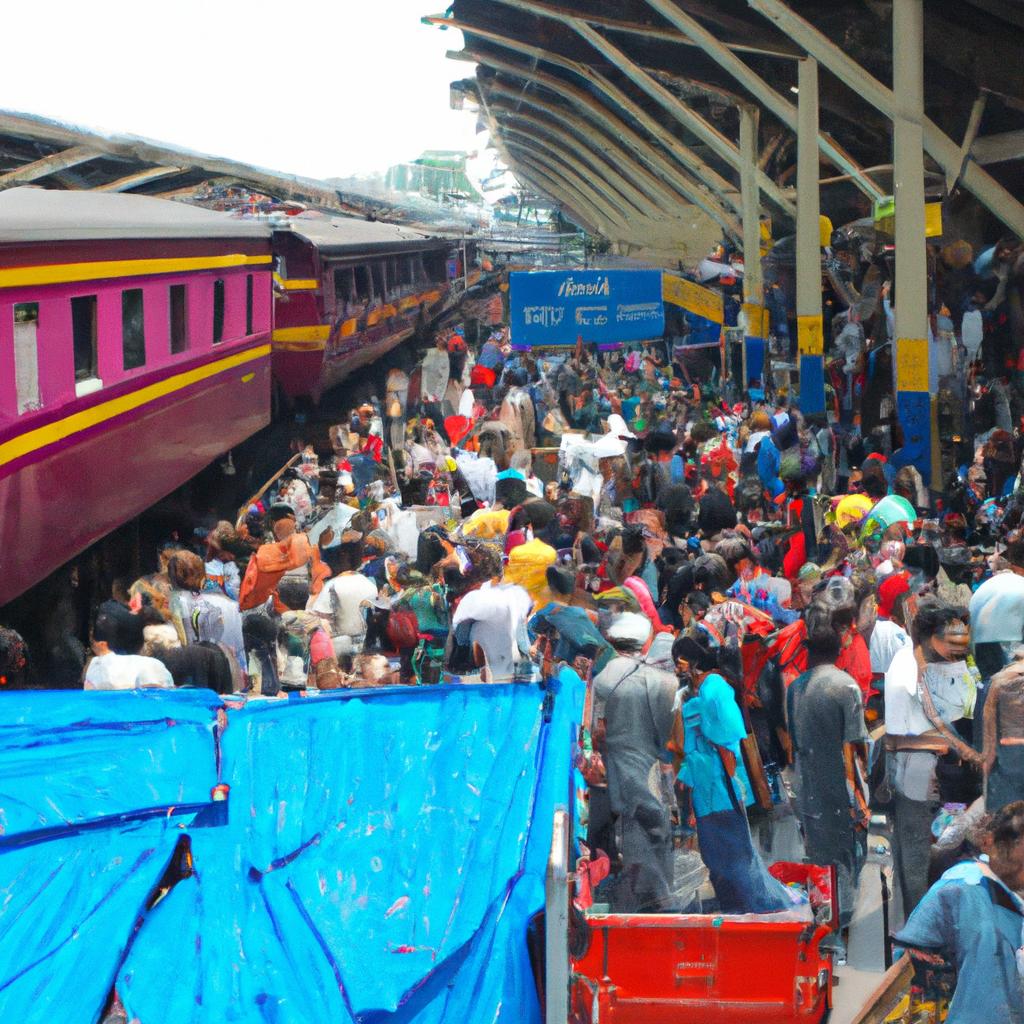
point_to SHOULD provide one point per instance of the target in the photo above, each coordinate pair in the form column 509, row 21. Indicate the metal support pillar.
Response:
column 810, row 336
column 913, row 399
column 755, row 335
column 556, row 923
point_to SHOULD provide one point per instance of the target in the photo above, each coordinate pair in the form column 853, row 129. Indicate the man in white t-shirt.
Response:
column 889, row 635
column 494, row 617
column 117, row 637
column 343, row 600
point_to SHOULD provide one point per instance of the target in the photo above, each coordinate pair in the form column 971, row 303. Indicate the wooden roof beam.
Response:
column 942, row 148
column 139, row 178
column 762, row 91
column 708, row 179
column 657, row 190
column 724, row 148
column 669, row 173
column 47, row 165
column 585, row 215
column 554, row 186
column 561, row 169
column 611, row 185
column 721, row 146
column 184, row 190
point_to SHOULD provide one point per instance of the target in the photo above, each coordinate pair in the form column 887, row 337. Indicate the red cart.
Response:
column 695, row 968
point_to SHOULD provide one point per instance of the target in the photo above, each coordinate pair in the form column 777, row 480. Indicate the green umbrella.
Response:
column 891, row 509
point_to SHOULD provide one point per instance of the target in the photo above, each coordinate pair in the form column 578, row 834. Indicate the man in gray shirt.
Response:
column 637, row 703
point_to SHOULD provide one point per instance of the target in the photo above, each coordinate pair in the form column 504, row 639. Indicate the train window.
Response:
column 408, row 271
column 218, row 311
column 419, row 271
column 436, row 266
column 379, row 283
column 133, row 330
column 364, row 289
column 344, row 287
column 178, row 318
column 248, row 304
column 83, row 330
column 26, row 359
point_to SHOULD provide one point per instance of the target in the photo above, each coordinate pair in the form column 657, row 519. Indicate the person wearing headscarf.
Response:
column 634, row 721
column 713, row 769
column 527, row 566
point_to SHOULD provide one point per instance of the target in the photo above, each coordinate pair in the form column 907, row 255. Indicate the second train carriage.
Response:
column 134, row 350
column 347, row 291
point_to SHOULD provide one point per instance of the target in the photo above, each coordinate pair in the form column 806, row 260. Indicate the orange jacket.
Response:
column 272, row 561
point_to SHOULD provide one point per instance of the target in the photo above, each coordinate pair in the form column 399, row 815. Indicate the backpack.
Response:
column 403, row 629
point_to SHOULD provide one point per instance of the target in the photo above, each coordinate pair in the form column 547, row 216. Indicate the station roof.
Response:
column 626, row 112
column 29, row 214
column 54, row 155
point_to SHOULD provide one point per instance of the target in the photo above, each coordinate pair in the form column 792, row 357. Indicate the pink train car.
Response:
column 348, row 291
column 135, row 348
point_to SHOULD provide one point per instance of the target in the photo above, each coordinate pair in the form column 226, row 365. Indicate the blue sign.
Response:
column 550, row 307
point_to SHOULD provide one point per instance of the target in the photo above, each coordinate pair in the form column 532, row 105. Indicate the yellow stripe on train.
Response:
column 51, row 433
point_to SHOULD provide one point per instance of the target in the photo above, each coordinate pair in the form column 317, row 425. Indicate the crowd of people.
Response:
column 763, row 624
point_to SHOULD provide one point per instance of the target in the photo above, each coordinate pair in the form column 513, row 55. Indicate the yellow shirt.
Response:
column 487, row 523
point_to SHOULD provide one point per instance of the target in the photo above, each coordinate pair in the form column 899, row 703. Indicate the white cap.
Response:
column 629, row 626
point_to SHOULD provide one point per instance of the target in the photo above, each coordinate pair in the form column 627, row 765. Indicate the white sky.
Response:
column 321, row 88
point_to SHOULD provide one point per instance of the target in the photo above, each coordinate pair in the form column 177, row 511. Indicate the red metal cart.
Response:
column 697, row 968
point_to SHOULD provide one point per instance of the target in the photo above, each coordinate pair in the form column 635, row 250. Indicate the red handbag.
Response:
column 403, row 629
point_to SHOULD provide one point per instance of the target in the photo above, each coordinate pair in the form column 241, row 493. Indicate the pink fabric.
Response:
column 320, row 647
column 514, row 539
column 638, row 589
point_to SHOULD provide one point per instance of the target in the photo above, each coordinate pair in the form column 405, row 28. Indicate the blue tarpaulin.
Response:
column 379, row 858
column 555, row 307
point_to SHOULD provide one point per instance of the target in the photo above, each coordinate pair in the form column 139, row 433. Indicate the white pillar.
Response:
column 753, row 289
column 810, row 341
column 913, row 401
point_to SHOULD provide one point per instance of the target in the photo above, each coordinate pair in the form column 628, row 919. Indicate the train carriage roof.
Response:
column 345, row 236
column 44, row 215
